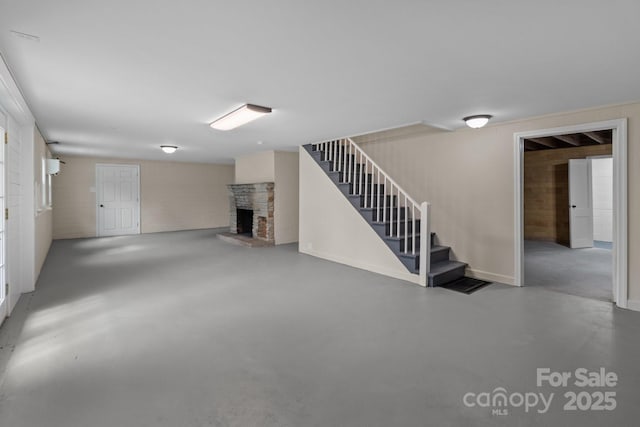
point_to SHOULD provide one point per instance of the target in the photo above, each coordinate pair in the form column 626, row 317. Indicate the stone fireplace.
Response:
column 251, row 210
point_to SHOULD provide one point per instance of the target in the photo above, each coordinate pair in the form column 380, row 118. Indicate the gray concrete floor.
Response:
column 583, row 272
column 182, row 329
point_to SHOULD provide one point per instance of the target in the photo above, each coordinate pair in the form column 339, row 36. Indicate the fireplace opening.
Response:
column 245, row 222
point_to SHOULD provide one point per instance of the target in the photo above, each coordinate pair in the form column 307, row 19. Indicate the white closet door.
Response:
column 118, row 199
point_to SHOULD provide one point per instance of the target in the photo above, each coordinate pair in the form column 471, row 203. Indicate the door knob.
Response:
column 102, row 206
column 573, row 206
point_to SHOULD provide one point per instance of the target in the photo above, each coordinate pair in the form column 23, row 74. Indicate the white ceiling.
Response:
column 119, row 78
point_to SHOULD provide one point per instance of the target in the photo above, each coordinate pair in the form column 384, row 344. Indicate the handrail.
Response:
column 370, row 182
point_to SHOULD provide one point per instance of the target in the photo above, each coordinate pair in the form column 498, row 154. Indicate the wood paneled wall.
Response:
column 546, row 191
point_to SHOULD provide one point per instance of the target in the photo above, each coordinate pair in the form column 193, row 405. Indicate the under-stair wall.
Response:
column 330, row 227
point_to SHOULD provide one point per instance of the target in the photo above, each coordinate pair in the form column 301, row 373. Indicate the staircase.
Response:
column 389, row 210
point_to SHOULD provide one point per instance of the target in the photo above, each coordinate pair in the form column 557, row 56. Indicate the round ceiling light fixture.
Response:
column 477, row 121
column 169, row 149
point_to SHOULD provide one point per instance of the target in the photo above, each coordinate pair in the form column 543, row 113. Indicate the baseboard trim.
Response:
column 408, row 277
column 633, row 304
column 413, row 278
column 491, row 277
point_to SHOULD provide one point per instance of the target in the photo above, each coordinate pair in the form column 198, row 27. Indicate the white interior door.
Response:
column 118, row 199
column 580, row 204
column 602, row 196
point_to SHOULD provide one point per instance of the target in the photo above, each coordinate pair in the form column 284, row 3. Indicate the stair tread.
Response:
column 444, row 266
column 436, row 248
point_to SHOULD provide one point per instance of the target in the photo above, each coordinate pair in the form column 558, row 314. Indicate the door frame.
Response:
column 620, row 195
column 98, row 192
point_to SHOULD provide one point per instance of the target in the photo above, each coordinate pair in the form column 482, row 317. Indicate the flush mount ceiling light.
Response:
column 240, row 116
column 477, row 121
column 169, row 149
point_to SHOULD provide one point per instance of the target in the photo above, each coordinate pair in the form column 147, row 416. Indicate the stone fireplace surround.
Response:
column 257, row 197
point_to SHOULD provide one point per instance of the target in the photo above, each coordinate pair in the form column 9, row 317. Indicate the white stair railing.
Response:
column 375, row 186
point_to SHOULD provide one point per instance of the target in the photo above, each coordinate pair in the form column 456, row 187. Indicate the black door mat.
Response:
column 466, row 285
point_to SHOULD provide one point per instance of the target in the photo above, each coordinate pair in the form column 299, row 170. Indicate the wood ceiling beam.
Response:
column 597, row 138
column 530, row 145
column 545, row 142
column 569, row 139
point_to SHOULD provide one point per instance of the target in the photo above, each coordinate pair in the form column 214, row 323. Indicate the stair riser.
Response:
column 393, row 225
column 399, row 245
column 376, row 215
column 439, row 256
column 358, row 201
column 366, row 187
column 447, row 277
column 414, row 264
column 385, row 229
column 388, row 206
column 389, row 202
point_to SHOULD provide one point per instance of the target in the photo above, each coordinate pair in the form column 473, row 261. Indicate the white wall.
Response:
column 602, row 181
column 286, row 201
column 255, row 167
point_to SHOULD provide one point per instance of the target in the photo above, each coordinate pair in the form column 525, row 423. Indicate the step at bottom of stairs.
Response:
column 446, row 271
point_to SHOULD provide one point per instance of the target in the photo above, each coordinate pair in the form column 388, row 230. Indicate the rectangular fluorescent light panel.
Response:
column 30, row 37
column 239, row 117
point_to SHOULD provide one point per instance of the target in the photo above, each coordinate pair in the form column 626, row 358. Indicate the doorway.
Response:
column 557, row 249
column 117, row 199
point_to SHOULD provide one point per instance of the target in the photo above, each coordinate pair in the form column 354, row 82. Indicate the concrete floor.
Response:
column 583, row 272
column 182, row 329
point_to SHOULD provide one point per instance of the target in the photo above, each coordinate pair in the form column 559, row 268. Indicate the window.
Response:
column 43, row 186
